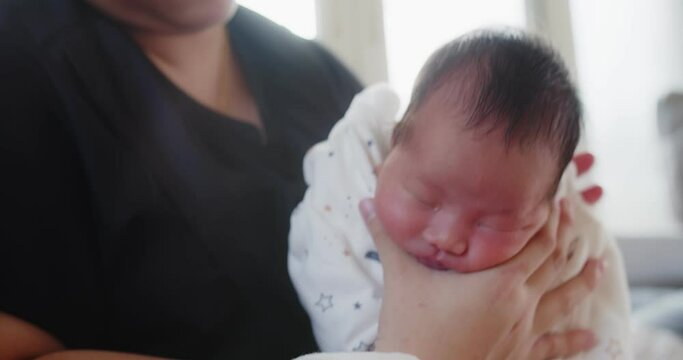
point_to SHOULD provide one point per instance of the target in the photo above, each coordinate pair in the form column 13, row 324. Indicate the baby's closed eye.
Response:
column 424, row 197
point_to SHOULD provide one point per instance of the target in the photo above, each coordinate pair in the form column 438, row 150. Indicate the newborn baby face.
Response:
column 460, row 199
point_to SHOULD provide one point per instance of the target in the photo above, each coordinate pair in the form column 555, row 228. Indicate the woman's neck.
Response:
column 183, row 52
column 202, row 64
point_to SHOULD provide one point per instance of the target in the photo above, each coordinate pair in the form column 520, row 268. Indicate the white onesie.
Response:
column 335, row 267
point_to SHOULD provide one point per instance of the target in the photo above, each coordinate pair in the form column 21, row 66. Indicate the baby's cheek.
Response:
column 400, row 222
column 489, row 250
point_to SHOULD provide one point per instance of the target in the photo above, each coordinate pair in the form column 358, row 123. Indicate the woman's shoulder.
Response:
column 31, row 31
column 266, row 35
column 277, row 48
column 37, row 23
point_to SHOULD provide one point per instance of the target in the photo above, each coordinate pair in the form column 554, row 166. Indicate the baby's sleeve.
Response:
column 332, row 259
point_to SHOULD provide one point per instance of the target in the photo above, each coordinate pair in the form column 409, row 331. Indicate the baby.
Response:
column 462, row 183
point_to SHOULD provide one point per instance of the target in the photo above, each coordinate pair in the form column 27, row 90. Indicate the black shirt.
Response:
column 135, row 219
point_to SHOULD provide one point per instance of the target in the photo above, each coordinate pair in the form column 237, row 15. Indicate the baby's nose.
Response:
column 447, row 240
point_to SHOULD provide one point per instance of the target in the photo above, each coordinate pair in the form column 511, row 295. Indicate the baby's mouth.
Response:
column 431, row 262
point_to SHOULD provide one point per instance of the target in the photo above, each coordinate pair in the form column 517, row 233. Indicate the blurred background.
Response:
column 626, row 57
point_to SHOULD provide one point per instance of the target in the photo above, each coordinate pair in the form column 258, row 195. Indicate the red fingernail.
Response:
column 367, row 209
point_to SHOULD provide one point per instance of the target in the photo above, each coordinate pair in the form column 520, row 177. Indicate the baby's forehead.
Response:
column 453, row 116
column 442, row 133
column 453, row 98
column 454, row 108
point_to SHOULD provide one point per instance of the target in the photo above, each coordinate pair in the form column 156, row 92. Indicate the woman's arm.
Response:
column 93, row 354
column 22, row 340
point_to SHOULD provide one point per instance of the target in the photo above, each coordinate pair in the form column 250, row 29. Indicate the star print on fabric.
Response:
column 372, row 255
column 347, row 252
column 324, row 302
column 330, row 154
column 327, row 208
column 613, row 349
column 357, row 306
column 369, row 143
column 362, row 346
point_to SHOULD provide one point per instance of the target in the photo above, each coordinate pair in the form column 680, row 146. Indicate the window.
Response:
column 296, row 15
column 629, row 56
column 413, row 30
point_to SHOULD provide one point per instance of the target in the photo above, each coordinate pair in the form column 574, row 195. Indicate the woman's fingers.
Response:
column 543, row 278
column 536, row 251
column 583, row 162
column 547, row 273
column 562, row 345
column 367, row 210
column 592, row 194
column 560, row 301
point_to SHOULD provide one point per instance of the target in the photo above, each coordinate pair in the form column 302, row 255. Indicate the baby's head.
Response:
column 492, row 123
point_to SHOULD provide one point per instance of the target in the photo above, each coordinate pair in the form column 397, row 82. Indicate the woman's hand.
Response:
column 501, row 313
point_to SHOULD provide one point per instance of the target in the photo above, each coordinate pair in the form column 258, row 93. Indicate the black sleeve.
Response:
column 46, row 274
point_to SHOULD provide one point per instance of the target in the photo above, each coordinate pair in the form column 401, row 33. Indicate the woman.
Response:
column 152, row 157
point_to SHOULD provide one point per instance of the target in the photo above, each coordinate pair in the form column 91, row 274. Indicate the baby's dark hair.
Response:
column 505, row 80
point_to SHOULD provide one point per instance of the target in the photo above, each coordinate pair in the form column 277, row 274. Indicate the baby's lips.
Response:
column 459, row 248
column 459, row 263
column 419, row 248
column 432, row 263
